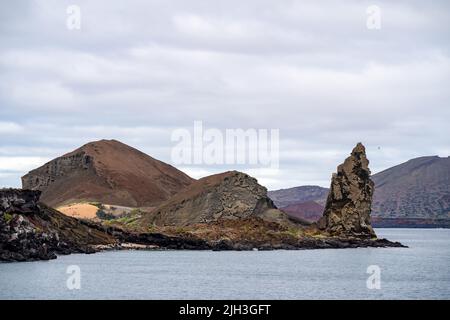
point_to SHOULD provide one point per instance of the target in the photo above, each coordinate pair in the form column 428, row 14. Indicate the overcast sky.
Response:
column 137, row 70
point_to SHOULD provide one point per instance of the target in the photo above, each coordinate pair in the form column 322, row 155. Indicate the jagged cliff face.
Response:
column 109, row 172
column 31, row 231
column 230, row 195
column 59, row 168
column 348, row 206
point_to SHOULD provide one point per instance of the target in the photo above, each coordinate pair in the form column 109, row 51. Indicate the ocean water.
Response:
column 421, row 271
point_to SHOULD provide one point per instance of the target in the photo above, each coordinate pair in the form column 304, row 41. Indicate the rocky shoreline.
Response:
column 30, row 231
column 216, row 237
column 219, row 246
column 305, row 244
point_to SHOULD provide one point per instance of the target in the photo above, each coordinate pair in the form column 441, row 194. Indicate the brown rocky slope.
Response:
column 229, row 195
column 106, row 171
column 418, row 188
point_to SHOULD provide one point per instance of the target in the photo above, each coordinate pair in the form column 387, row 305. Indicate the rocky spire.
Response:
column 348, row 207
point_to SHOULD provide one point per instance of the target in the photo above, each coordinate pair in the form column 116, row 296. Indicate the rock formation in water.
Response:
column 229, row 195
column 231, row 211
column 348, row 206
column 30, row 230
column 412, row 194
column 108, row 172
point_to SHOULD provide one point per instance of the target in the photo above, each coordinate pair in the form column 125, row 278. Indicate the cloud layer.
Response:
column 137, row 70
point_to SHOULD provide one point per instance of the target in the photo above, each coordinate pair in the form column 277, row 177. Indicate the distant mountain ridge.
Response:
column 310, row 211
column 418, row 188
column 414, row 193
column 292, row 196
column 106, row 171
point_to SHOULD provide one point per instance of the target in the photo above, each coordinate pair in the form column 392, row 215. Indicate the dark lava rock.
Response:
column 30, row 230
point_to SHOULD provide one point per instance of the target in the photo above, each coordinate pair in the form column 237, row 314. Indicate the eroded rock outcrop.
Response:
column 348, row 206
column 229, row 195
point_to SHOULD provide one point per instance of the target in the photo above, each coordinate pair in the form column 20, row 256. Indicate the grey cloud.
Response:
column 139, row 69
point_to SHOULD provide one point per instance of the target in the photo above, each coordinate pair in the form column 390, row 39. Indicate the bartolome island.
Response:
column 107, row 195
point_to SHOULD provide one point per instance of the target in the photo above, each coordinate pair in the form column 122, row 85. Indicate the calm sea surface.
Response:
column 421, row 271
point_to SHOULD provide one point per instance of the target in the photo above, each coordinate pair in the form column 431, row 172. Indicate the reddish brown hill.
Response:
column 106, row 171
column 310, row 211
column 416, row 189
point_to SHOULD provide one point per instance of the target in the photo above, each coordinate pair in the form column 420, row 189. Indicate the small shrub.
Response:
column 135, row 212
column 180, row 230
column 103, row 215
column 8, row 217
